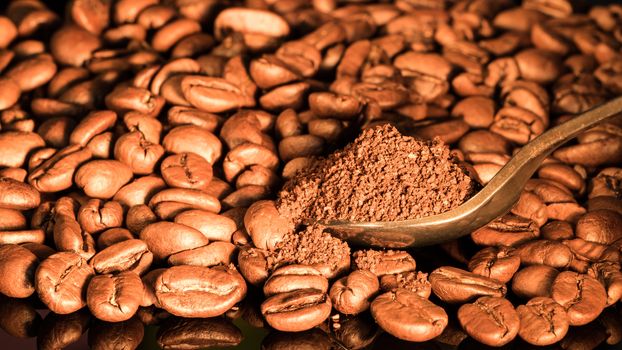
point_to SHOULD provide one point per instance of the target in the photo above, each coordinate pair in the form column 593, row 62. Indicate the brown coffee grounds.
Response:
column 308, row 247
column 413, row 281
column 370, row 259
column 381, row 176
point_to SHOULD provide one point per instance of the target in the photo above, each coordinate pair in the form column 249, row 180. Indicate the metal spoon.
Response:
column 493, row 201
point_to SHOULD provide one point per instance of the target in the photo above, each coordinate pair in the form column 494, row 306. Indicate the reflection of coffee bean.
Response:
column 201, row 333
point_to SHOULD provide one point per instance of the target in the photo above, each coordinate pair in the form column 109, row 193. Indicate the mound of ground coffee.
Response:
column 311, row 246
column 381, row 176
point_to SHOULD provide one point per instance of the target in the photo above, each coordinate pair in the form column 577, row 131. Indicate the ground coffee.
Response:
column 381, row 176
column 312, row 246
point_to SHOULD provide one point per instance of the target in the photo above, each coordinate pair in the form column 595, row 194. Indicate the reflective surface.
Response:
column 493, row 201
column 24, row 328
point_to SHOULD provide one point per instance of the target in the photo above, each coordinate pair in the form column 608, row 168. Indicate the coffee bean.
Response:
column 196, row 291
column 582, row 296
column 293, row 277
column 18, row 267
column 57, row 172
column 534, row 281
column 114, row 298
column 600, row 226
column 215, row 253
column 610, row 276
column 490, row 320
column 384, row 262
column 102, row 178
column 186, row 170
column 352, row 294
column 297, row 310
column 498, row 263
column 126, row 255
column 453, row 285
column 508, row 230
column 166, row 238
column 542, row 321
column 112, row 236
column 97, row 215
column 408, row 316
column 61, row 281
column 253, row 265
column 139, row 191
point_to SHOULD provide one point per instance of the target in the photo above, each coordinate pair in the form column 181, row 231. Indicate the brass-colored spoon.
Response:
column 493, row 201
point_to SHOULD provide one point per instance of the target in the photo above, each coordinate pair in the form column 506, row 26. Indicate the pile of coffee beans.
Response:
column 143, row 145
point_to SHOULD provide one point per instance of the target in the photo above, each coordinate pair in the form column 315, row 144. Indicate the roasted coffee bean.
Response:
column 542, row 321
column 265, row 225
column 114, row 298
column 415, row 281
column 296, row 311
column 498, row 263
column 583, row 297
column 534, row 281
column 352, row 294
column 610, row 276
column 490, row 320
column 557, row 230
column 509, row 230
column 69, row 236
column 18, row 195
column 253, row 265
column 408, row 316
column 215, row 253
column 97, row 215
column 17, row 265
column 139, row 191
column 127, row 255
column 186, row 170
column 166, row 238
column 138, row 217
column 293, row 277
column 61, row 281
column 453, row 285
column 551, row 253
column 215, row 227
column 384, row 262
column 197, row 291
column 102, row 178
column 112, row 236
column 600, row 226
column 57, row 172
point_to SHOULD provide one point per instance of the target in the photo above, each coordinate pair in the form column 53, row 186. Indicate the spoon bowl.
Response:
column 491, row 202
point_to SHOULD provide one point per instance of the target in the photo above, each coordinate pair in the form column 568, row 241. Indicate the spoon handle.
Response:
column 515, row 174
